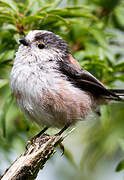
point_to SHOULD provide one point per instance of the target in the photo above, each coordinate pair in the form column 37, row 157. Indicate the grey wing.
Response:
column 84, row 80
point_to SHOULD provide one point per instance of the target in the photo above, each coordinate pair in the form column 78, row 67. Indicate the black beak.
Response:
column 23, row 41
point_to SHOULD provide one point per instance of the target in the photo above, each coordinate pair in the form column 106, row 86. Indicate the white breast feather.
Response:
column 32, row 75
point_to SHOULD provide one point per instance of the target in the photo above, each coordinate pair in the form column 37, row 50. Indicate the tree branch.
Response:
column 38, row 151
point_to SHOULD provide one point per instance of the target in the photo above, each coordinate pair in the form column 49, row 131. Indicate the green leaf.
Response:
column 9, row 27
column 120, row 78
column 70, row 158
column 57, row 17
column 120, row 166
column 121, row 142
column 32, row 6
column 7, row 55
column 105, row 115
column 109, row 55
column 100, row 36
column 119, row 67
column 9, row 4
column 71, row 14
column 32, row 18
column 6, row 17
column 78, row 7
column 119, row 15
column 44, row 8
column 4, row 111
column 3, row 82
column 56, row 3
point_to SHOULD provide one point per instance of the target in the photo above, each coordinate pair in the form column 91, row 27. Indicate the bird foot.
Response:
column 62, row 148
column 33, row 139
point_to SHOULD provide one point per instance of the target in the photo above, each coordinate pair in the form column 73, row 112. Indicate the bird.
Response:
column 50, row 86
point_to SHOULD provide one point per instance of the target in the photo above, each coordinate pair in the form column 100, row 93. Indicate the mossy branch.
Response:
column 38, row 151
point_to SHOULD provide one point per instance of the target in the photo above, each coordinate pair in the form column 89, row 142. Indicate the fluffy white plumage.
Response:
column 42, row 92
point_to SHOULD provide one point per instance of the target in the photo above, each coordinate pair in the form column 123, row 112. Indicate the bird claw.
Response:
column 62, row 148
column 33, row 139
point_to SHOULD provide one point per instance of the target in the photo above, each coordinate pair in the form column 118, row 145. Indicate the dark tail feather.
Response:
column 119, row 93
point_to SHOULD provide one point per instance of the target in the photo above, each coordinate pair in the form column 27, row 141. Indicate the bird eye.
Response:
column 41, row 45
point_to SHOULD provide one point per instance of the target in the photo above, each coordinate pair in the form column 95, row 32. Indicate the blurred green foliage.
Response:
column 95, row 31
